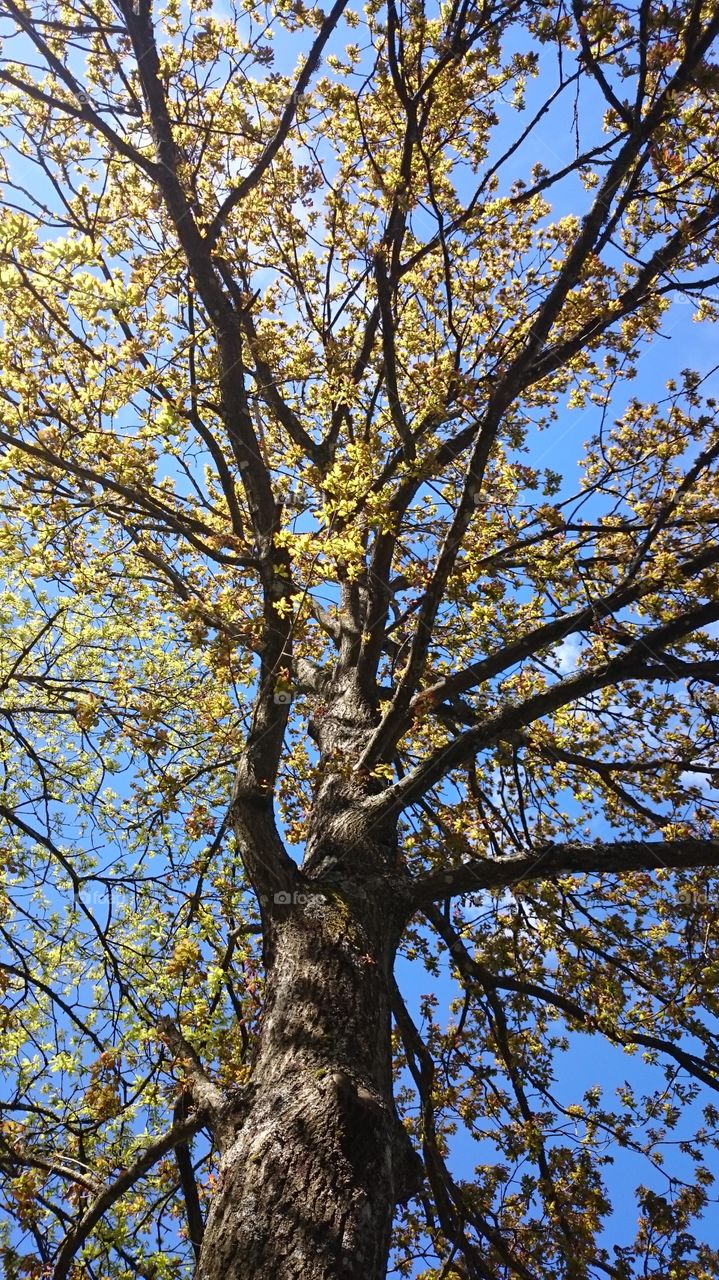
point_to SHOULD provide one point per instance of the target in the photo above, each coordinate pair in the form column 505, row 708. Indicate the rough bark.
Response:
column 308, row 1184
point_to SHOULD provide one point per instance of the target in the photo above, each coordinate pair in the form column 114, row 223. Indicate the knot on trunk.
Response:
column 407, row 1166
column 364, row 1116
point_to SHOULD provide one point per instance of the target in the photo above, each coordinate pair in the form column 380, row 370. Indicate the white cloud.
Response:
column 567, row 654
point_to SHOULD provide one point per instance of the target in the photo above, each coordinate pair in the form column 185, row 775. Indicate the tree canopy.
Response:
column 294, row 598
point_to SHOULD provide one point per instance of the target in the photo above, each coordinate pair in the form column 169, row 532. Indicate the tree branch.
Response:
column 553, row 860
column 550, row 633
column 452, row 1208
column 123, row 1182
column 183, row 1159
column 85, row 112
column 642, row 660
column 472, row 970
column 273, row 146
column 208, row 1098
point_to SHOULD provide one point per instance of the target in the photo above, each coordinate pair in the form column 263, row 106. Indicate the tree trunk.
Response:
column 307, row 1187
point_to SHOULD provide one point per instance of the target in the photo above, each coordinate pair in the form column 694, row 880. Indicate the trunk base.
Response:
column 308, row 1186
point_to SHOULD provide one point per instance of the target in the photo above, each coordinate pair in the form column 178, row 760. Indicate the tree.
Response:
column 308, row 662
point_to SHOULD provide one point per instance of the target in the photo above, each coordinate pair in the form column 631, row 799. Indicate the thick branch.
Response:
column 642, row 660
column 225, row 322
column 628, row 592
column 601, row 858
column 206, row 1095
column 183, row 1159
